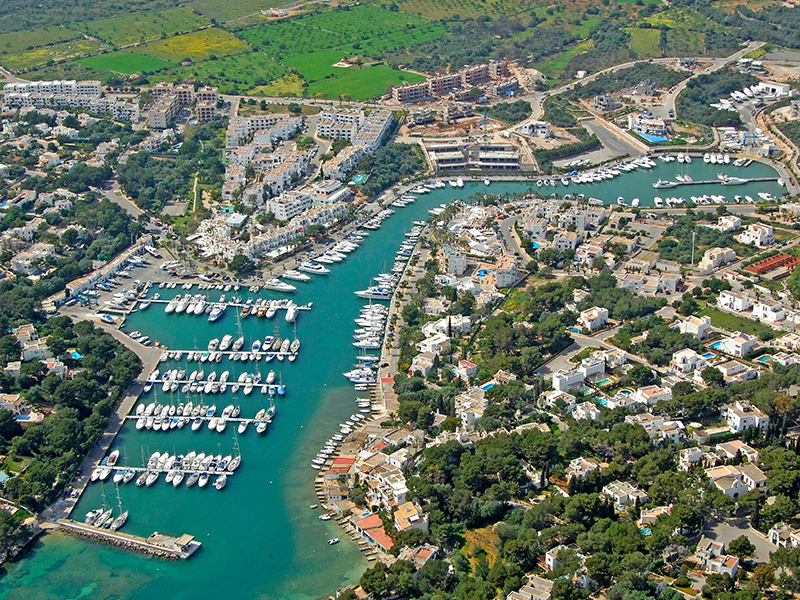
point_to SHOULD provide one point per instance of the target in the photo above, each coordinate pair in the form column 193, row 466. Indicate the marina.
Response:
column 289, row 543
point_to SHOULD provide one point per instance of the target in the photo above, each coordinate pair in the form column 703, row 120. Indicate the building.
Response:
column 742, row 416
column 644, row 88
column 784, row 536
column 734, row 448
column 652, row 394
column 606, row 103
column 565, row 380
column 163, row 111
column 551, row 398
column 410, row 516
column 769, row 310
column 540, row 129
column 580, row 468
column 787, row 261
column 593, row 318
column 452, row 261
column 758, row 234
column 687, row 360
column 567, row 240
column 623, row 492
column 423, row 363
column 695, row 326
column 735, row 301
column 739, row 344
column 713, row 258
column 639, row 123
column 585, row 410
column 438, row 344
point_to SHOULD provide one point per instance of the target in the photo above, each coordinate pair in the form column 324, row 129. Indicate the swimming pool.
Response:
column 487, row 386
column 708, row 355
column 603, row 401
column 536, row 245
column 574, row 329
column 483, row 272
column 716, row 345
column 764, row 359
column 604, row 382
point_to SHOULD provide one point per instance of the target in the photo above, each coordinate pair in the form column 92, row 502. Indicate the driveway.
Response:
column 728, row 530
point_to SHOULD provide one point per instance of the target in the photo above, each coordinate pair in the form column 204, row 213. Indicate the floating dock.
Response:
column 674, row 184
column 160, row 545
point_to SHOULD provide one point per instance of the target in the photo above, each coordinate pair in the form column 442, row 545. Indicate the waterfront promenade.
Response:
column 150, row 358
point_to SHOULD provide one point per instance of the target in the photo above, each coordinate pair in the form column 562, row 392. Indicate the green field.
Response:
column 126, row 63
column 553, row 67
column 57, row 52
column 224, row 11
column 362, row 22
column 137, row 27
column 731, row 322
column 196, row 46
column 361, row 83
column 645, row 42
column 290, row 38
column 445, row 9
column 682, row 18
column 393, row 41
column 234, row 74
column 317, row 65
column 68, row 70
column 27, row 40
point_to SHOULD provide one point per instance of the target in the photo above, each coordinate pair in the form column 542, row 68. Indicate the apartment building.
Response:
column 758, row 234
column 164, row 111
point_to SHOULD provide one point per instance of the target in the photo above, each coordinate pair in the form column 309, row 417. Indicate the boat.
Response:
column 375, row 293
column 325, row 517
column 333, row 541
column 487, row 181
column 277, row 285
column 220, row 481
column 119, row 521
column 216, row 312
column 313, row 267
column 203, row 479
column 296, row 275
column 104, row 517
column 661, row 184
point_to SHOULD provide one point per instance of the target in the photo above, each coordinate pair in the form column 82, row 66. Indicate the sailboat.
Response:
column 121, row 518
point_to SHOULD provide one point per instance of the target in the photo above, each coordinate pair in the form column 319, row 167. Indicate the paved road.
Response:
column 112, row 189
column 728, row 530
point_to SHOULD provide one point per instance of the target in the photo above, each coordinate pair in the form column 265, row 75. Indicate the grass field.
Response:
column 681, row 18
column 362, row 22
column 399, row 39
column 361, row 84
column 27, row 40
column 68, row 70
column 290, row 38
column 126, row 63
column 731, row 322
column 645, row 42
column 196, row 46
column 137, row 27
column 553, row 67
column 445, row 9
column 57, row 52
column 233, row 74
column 223, row 11
column 317, row 65
column 288, row 85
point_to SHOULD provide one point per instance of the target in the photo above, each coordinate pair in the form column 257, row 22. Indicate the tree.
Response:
column 688, row 306
column 764, row 576
column 240, row 264
column 741, row 547
column 713, row 377
column 641, row 375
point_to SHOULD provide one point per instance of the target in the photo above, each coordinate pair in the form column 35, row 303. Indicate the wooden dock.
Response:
column 160, row 545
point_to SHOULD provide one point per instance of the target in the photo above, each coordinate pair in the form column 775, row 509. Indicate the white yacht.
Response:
column 296, row 275
column 313, row 267
column 278, row 286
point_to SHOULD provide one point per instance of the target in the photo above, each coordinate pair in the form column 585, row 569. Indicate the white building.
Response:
column 647, row 125
column 593, row 318
column 540, row 129
column 741, row 416
column 687, row 360
column 769, row 310
column 735, row 301
column 758, row 234
column 713, row 258
column 586, row 410
column 696, row 326
column 738, row 345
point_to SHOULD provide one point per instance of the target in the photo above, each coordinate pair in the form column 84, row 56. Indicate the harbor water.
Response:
column 260, row 538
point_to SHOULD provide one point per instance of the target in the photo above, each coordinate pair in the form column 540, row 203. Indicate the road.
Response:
column 113, row 192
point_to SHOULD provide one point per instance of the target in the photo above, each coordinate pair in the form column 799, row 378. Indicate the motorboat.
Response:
column 278, row 286
column 313, row 267
column 296, row 275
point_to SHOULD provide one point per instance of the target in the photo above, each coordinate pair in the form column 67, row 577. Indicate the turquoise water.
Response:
column 260, row 539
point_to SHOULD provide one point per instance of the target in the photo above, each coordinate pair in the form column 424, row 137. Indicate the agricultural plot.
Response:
column 28, row 40
column 291, row 85
column 196, row 46
column 234, row 74
column 18, row 61
column 317, row 65
column 290, row 38
column 553, row 67
column 645, row 42
column 126, row 63
column 140, row 26
column 445, row 9
column 231, row 9
column 362, row 22
column 682, row 18
column 378, row 45
column 69, row 70
column 361, row 83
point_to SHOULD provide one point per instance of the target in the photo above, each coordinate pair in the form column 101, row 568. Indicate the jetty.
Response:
column 158, row 544
column 741, row 180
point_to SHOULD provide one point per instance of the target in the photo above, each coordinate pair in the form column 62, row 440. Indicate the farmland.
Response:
column 473, row 9
column 127, row 29
column 362, row 22
column 645, row 42
column 289, row 85
column 290, row 38
column 361, row 83
column 126, row 63
column 317, row 65
column 27, row 40
column 234, row 74
column 393, row 41
column 18, row 61
column 196, row 46
column 224, row 11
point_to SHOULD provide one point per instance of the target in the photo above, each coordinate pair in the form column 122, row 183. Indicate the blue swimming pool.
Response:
column 763, row 359
column 716, row 345
column 487, row 386
column 483, row 272
column 536, row 245
column 574, row 329
column 708, row 355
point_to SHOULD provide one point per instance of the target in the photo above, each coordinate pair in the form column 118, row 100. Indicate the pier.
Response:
column 185, row 354
column 674, row 184
column 160, row 545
